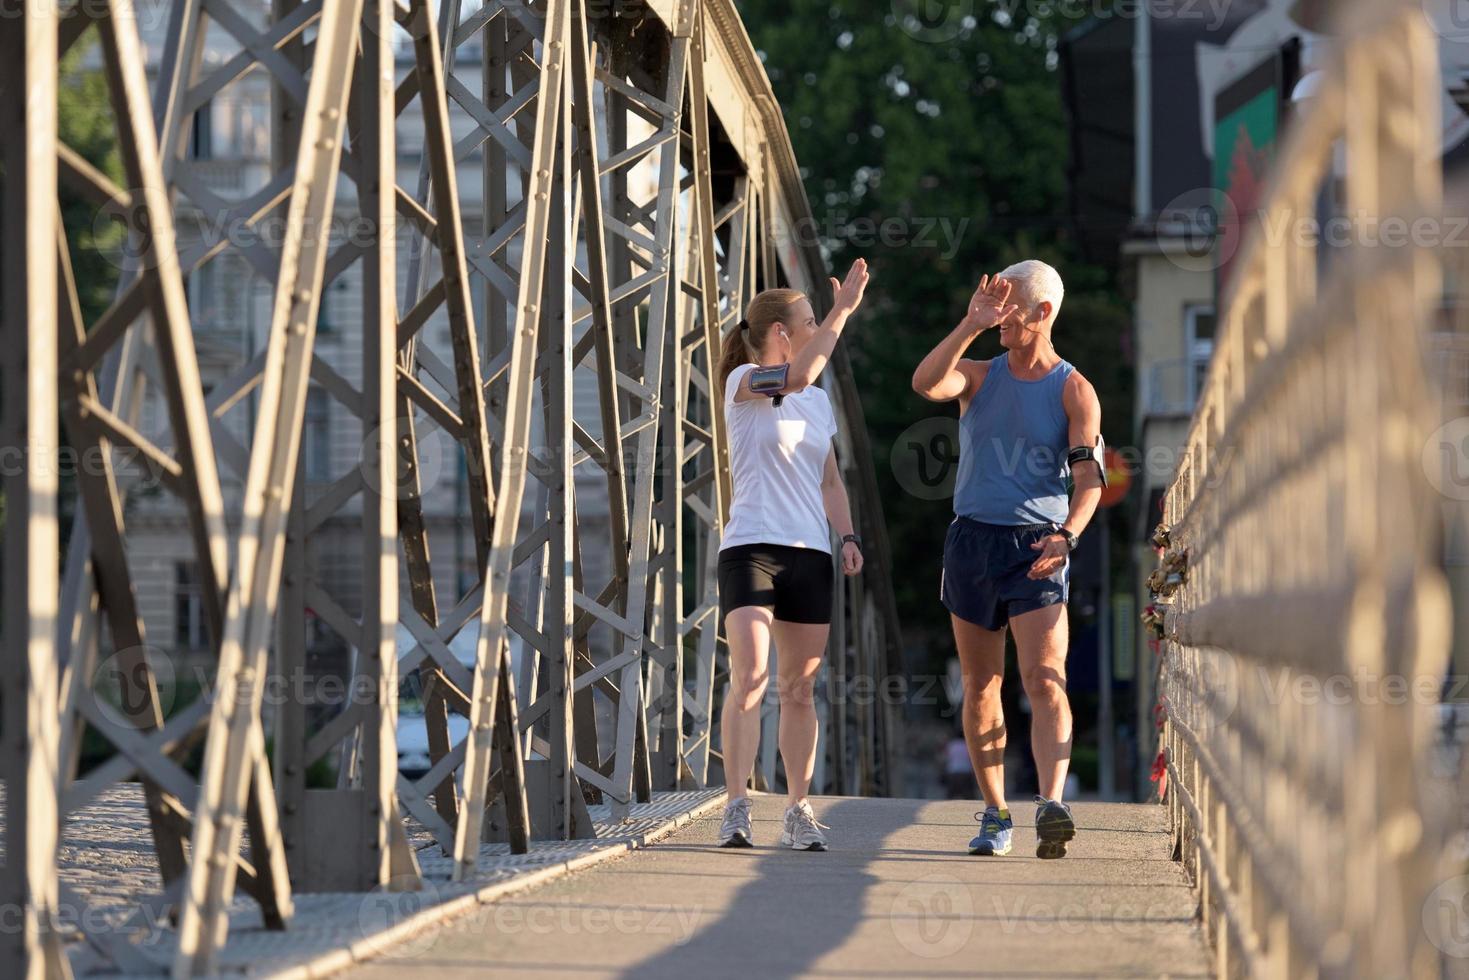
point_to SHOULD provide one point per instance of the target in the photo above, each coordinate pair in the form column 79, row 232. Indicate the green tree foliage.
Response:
column 937, row 152
column 85, row 124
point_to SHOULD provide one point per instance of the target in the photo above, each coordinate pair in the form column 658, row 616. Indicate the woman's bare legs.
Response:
column 799, row 648
column 748, row 632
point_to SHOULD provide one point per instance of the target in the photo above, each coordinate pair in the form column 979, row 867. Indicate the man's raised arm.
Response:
column 941, row 376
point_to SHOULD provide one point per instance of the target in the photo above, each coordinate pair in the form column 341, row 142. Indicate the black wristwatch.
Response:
column 854, row 539
column 1070, row 539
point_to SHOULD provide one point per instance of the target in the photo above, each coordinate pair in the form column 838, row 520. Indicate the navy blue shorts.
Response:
column 985, row 569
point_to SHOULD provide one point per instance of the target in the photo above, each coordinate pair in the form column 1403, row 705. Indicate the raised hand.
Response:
column 990, row 303
column 847, row 295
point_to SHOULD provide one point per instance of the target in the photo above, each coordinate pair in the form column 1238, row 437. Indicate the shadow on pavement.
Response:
column 798, row 906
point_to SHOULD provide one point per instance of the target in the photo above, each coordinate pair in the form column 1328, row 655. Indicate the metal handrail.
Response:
column 1293, row 555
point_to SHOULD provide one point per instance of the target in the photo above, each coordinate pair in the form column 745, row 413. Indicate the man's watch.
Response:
column 854, row 539
column 1070, row 539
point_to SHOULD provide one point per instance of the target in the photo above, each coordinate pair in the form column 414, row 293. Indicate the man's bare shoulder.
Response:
column 974, row 371
column 974, row 374
column 1078, row 393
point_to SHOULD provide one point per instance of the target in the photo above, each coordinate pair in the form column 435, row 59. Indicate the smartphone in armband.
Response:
column 769, row 380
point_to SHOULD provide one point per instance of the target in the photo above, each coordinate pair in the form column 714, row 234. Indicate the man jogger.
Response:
column 1027, row 420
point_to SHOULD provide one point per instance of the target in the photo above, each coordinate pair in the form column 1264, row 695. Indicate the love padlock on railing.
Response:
column 1160, row 536
column 1153, row 621
column 1170, row 575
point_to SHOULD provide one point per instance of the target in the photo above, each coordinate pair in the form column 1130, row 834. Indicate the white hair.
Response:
column 1036, row 283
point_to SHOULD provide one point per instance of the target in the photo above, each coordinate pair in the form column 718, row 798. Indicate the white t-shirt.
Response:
column 777, row 456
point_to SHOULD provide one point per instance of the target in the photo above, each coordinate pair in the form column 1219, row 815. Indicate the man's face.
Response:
column 1022, row 326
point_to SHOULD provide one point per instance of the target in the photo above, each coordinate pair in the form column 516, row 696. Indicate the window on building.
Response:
column 316, row 435
column 201, row 292
column 328, row 311
column 188, row 607
column 1199, row 324
column 201, row 135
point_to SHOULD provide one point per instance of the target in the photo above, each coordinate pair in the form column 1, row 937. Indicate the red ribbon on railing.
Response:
column 1160, row 775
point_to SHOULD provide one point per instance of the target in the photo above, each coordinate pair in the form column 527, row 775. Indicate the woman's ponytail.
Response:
column 743, row 343
column 736, row 351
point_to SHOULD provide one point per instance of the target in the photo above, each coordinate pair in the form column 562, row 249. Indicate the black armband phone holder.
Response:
column 769, row 380
column 1081, row 454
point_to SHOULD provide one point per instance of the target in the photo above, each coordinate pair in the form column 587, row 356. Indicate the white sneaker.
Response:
column 735, row 830
column 803, row 832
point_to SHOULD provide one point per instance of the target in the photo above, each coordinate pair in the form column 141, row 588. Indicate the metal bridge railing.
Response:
column 1301, row 609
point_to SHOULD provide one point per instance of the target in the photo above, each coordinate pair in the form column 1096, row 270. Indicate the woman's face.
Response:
column 800, row 325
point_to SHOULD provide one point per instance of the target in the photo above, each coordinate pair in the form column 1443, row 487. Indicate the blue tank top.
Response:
column 1012, row 449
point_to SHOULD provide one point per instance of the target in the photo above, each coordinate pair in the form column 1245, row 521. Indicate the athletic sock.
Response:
column 1005, row 814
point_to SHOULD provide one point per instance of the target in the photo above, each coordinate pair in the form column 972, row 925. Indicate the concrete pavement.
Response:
column 897, row 895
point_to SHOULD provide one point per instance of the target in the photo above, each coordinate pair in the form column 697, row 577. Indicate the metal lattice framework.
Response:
column 636, row 187
column 1299, row 581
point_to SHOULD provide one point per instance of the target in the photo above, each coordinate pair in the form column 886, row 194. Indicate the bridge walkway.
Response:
column 895, row 896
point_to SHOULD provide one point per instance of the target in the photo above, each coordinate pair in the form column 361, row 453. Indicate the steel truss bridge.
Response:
column 1301, row 537
column 637, row 187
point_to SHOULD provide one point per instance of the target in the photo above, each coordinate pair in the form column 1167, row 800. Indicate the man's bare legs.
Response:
column 748, row 630
column 982, row 663
column 1041, row 638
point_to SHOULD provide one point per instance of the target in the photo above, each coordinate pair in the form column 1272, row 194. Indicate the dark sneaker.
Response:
column 735, row 830
column 994, row 833
column 1053, row 828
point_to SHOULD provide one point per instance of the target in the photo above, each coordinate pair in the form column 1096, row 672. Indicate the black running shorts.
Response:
column 796, row 583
